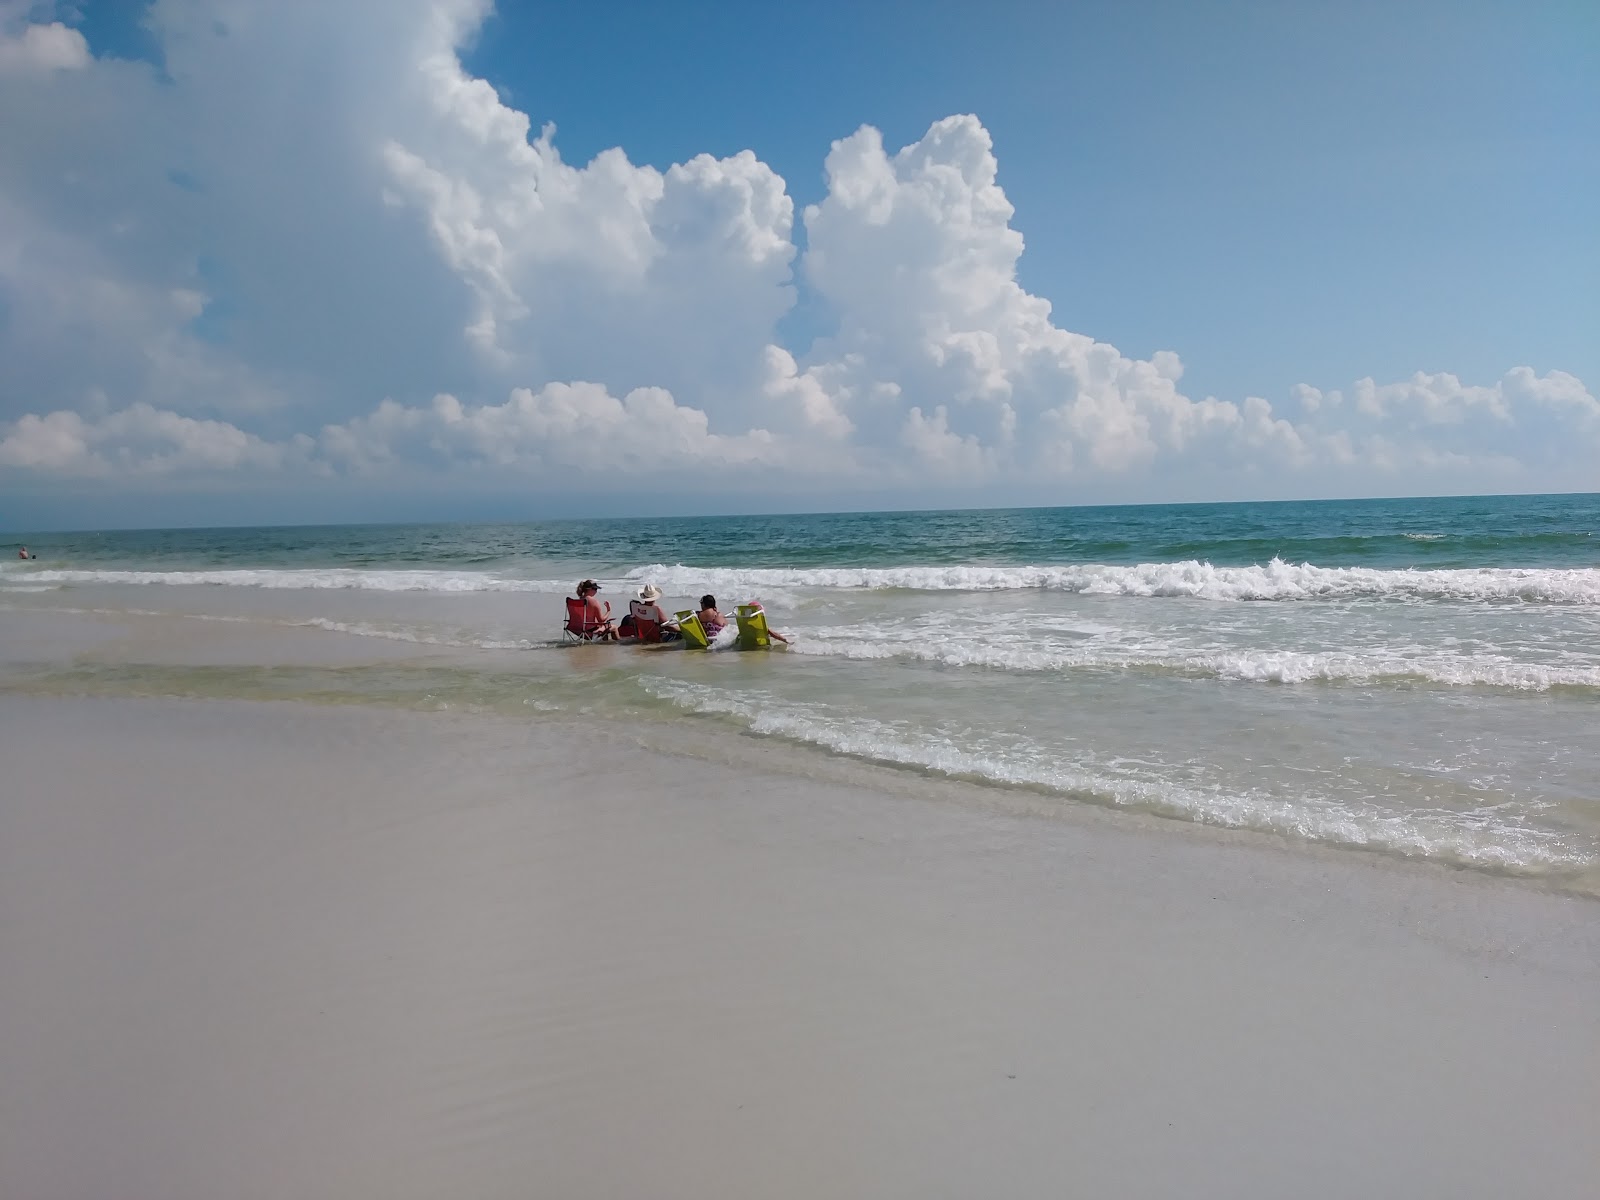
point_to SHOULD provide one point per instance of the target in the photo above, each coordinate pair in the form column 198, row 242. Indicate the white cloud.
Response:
column 42, row 47
column 1430, row 400
column 1557, row 391
column 136, row 441
column 556, row 435
column 610, row 271
column 939, row 451
column 1439, row 409
column 547, row 436
column 226, row 269
column 812, row 399
column 916, row 252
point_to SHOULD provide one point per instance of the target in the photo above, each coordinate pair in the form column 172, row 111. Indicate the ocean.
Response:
column 1418, row 678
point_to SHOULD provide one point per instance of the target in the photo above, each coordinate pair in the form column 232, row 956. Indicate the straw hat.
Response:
column 649, row 593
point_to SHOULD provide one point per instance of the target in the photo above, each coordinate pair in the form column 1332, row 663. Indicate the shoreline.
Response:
column 111, row 652
column 266, row 949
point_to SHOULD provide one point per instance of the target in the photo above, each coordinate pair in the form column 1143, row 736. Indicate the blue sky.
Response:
column 1287, row 250
column 1281, row 192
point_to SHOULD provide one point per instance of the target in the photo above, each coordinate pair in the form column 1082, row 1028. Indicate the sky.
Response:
column 339, row 260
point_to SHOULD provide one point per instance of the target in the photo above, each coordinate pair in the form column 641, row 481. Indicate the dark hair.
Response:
column 708, row 601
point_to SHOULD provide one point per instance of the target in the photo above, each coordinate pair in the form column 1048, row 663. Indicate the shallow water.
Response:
column 1416, row 677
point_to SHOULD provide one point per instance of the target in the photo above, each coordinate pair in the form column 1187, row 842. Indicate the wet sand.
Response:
column 280, row 950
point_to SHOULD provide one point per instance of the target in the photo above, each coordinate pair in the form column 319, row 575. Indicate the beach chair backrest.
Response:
column 580, row 621
column 646, row 629
column 753, row 633
column 577, row 614
column 694, row 633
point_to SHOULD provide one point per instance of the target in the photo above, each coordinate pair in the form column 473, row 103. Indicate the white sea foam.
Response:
column 1276, row 580
column 1260, row 666
column 1480, row 839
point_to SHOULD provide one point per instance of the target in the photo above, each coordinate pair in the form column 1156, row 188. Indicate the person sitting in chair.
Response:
column 713, row 621
column 647, row 608
column 585, row 616
column 710, row 619
column 771, row 632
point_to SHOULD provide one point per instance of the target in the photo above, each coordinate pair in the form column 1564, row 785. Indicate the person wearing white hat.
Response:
column 648, row 608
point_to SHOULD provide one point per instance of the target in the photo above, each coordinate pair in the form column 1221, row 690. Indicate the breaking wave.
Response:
column 1276, row 580
column 1255, row 666
column 1480, row 839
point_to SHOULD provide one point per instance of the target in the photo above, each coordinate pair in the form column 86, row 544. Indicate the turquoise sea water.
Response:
column 1416, row 677
column 1452, row 532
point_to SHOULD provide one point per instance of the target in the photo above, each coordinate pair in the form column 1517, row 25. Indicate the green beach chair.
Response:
column 753, row 633
column 694, row 633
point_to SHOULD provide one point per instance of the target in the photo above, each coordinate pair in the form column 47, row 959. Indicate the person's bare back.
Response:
column 711, row 620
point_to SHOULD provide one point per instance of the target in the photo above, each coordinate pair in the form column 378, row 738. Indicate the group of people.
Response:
column 589, row 617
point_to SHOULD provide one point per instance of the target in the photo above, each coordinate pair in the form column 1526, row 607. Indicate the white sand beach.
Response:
column 283, row 950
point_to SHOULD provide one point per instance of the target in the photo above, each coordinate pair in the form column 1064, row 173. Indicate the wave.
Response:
column 1274, row 581
column 1254, row 666
column 1479, row 839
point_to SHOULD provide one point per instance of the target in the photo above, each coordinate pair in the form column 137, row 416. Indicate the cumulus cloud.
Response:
column 315, row 243
column 552, row 433
column 560, row 434
column 916, row 252
column 38, row 46
column 138, row 441
column 1448, row 412
column 610, row 271
column 813, row 399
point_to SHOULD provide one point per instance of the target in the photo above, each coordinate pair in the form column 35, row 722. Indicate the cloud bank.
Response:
column 313, row 246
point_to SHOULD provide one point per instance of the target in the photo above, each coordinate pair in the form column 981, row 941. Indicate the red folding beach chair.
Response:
column 582, row 625
column 646, row 629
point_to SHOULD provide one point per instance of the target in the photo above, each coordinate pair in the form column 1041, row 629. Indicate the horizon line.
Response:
column 841, row 512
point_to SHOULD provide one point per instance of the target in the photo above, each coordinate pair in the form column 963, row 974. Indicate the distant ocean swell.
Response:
column 1481, row 838
column 1274, row 581
column 317, row 579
